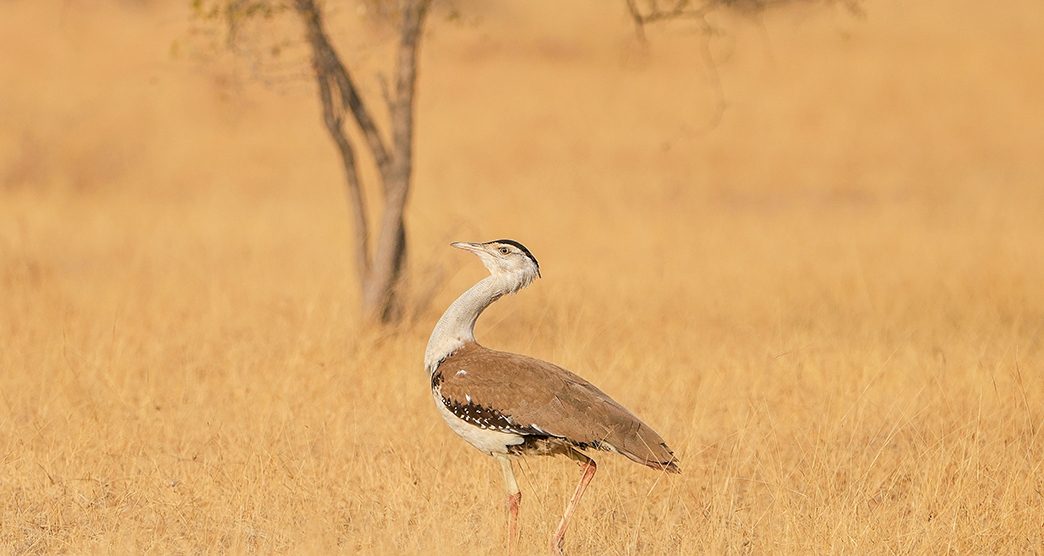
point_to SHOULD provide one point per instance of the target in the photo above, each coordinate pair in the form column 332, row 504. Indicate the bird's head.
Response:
column 505, row 258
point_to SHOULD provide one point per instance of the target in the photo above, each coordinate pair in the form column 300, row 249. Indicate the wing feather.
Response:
column 539, row 398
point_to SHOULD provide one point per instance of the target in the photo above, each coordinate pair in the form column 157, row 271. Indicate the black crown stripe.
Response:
column 520, row 246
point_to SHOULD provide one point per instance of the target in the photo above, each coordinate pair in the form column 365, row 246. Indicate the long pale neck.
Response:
column 457, row 325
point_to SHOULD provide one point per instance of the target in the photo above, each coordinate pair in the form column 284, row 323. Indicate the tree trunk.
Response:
column 332, row 120
column 379, row 294
column 379, row 275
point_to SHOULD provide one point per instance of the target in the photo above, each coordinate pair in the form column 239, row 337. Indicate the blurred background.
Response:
column 807, row 247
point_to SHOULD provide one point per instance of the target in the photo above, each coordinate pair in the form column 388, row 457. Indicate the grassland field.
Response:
column 815, row 265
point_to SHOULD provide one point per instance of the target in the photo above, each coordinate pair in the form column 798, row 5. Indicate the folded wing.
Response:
column 535, row 398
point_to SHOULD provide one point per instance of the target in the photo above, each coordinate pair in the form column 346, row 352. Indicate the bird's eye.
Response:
column 504, row 251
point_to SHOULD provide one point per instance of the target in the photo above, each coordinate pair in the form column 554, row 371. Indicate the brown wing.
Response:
column 533, row 397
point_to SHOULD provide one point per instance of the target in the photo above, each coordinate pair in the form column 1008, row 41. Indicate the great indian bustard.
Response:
column 511, row 405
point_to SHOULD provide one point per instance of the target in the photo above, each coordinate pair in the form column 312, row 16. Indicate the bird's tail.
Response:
column 643, row 445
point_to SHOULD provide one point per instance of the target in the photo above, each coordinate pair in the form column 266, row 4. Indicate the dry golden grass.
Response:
column 831, row 304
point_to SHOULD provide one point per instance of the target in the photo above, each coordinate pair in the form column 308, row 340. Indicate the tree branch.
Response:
column 328, row 63
column 390, row 251
column 639, row 21
column 413, row 12
column 332, row 119
column 682, row 9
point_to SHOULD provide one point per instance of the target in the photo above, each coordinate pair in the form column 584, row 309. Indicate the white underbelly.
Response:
column 488, row 441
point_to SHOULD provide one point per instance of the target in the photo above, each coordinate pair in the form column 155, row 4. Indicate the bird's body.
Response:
column 524, row 406
column 508, row 405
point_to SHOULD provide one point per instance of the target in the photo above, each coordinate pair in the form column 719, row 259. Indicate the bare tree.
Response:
column 379, row 263
column 380, row 270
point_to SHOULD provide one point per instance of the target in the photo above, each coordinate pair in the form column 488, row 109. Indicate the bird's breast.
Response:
column 487, row 439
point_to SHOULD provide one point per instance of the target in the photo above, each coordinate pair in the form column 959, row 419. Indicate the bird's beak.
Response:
column 467, row 246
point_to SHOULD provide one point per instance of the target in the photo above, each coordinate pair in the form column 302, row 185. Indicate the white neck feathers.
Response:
column 457, row 325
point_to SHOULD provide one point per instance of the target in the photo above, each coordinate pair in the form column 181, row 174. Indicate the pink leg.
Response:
column 589, row 468
column 514, row 502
